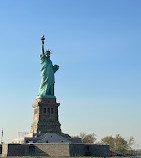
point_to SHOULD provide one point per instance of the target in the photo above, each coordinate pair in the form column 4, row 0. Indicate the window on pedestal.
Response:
column 44, row 110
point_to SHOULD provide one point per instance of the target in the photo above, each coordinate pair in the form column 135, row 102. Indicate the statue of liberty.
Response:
column 47, row 74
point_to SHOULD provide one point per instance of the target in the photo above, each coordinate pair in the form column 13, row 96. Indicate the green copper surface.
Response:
column 47, row 73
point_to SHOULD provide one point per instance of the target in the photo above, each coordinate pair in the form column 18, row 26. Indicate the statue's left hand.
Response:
column 57, row 67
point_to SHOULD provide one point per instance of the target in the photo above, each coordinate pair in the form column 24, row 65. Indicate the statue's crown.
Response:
column 48, row 52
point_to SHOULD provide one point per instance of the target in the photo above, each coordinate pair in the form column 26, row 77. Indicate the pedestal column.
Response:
column 45, row 116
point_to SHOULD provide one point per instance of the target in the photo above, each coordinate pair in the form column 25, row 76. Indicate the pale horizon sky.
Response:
column 97, row 45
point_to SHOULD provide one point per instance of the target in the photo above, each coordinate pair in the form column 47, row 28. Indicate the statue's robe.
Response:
column 47, row 74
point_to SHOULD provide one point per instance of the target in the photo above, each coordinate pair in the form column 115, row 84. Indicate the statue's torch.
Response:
column 42, row 38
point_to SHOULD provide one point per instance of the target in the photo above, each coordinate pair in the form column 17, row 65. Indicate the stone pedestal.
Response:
column 46, row 127
column 45, row 116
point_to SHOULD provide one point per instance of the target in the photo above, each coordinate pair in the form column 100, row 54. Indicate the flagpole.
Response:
column 1, row 136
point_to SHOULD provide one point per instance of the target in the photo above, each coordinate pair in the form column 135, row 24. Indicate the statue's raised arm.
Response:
column 42, row 39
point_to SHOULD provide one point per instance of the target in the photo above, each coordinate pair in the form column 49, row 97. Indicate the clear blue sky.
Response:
column 96, row 43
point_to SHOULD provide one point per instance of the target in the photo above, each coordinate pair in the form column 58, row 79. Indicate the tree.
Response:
column 110, row 141
column 88, row 138
column 119, row 144
column 130, row 142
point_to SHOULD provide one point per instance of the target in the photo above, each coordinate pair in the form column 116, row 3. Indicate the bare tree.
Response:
column 88, row 138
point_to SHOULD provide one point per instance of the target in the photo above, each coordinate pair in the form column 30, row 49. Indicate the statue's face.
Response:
column 47, row 53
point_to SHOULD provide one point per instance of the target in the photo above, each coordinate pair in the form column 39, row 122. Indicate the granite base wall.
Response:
column 55, row 149
column 102, row 150
column 52, row 149
column 14, row 149
column 89, row 150
column 77, row 149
